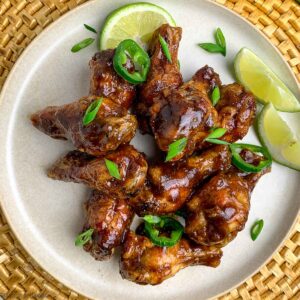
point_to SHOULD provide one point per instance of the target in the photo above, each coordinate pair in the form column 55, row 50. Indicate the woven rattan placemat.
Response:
column 20, row 22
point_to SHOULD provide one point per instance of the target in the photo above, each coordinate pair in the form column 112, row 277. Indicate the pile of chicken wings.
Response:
column 200, row 181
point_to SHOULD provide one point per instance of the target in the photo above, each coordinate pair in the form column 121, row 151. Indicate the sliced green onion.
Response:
column 112, row 168
column 152, row 219
column 215, row 96
column 216, row 141
column 165, row 48
column 178, row 62
column 211, row 48
column 219, row 47
column 82, row 44
column 176, row 147
column 90, row 28
column 91, row 112
column 256, row 229
column 220, row 39
column 84, row 237
column 241, row 164
column 217, row 133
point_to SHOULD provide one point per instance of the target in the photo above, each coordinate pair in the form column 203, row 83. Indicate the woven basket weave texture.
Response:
column 20, row 22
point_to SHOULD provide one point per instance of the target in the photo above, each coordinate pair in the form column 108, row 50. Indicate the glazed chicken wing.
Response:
column 186, row 112
column 82, row 168
column 110, row 218
column 170, row 184
column 236, row 110
column 163, row 75
column 144, row 263
column 112, row 127
column 219, row 210
column 107, row 83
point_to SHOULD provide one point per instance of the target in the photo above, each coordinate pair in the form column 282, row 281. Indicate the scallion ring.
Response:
column 167, row 224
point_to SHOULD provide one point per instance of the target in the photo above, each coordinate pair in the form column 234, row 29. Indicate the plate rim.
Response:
column 36, row 40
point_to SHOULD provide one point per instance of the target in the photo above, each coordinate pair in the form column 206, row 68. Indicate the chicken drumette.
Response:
column 219, row 210
column 110, row 218
column 186, row 112
column 174, row 110
column 112, row 126
column 82, row 168
column 163, row 76
column 144, row 263
column 169, row 185
column 107, row 83
column 236, row 111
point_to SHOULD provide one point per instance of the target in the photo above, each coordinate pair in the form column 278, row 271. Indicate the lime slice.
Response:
column 263, row 83
column 278, row 137
column 135, row 21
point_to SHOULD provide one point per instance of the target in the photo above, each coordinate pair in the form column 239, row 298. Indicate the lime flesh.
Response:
column 135, row 21
column 251, row 71
column 278, row 137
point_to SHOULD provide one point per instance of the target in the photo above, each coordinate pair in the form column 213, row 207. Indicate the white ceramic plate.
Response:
column 46, row 215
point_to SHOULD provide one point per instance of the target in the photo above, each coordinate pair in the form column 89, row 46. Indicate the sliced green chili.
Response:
column 82, row 44
column 152, row 219
column 91, row 112
column 165, row 48
column 166, row 224
column 129, row 49
column 84, row 237
column 240, row 163
column 112, row 168
column 176, row 147
column 256, row 229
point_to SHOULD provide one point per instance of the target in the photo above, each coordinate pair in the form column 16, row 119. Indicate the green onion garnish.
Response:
column 216, row 141
column 82, row 44
column 165, row 48
column 91, row 112
column 175, row 148
column 112, row 168
column 220, row 39
column 215, row 96
column 90, row 28
column 219, row 47
column 215, row 134
column 256, row 229
column 84, row 237
column 210, row 47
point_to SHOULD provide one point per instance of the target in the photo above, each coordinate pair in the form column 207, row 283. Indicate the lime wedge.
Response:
column 135, row 21
column 251, row 72
column 278, row 137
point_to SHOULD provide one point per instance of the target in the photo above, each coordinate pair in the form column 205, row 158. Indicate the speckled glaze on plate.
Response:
column 46, row 215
